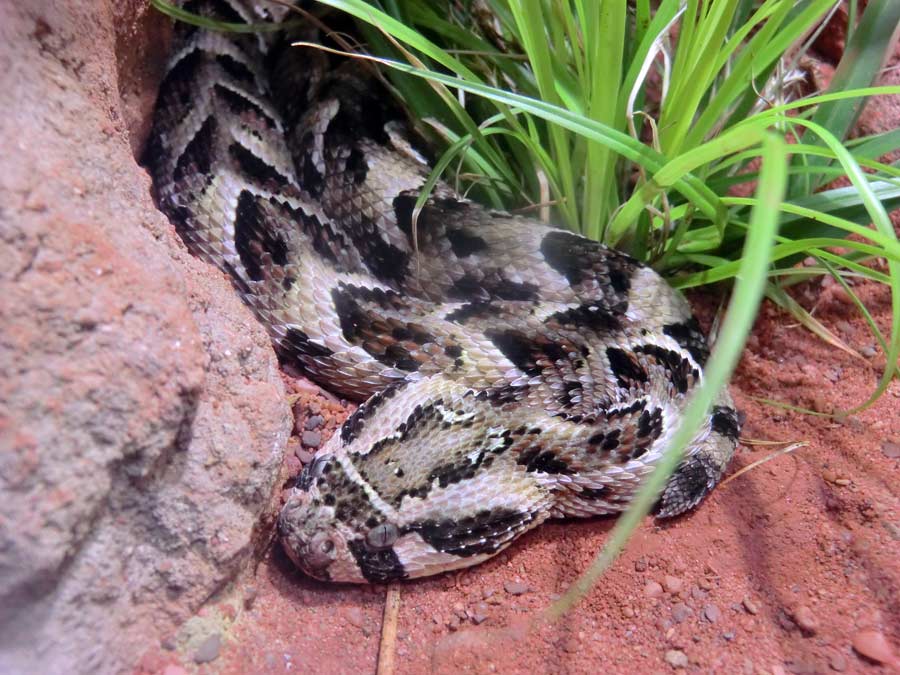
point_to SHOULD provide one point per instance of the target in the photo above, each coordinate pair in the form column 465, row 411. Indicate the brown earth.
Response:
column 144, row 554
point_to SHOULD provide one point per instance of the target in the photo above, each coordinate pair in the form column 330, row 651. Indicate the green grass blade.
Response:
column 741, row 313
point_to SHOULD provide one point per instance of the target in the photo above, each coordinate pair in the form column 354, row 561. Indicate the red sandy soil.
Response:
column 793, row 566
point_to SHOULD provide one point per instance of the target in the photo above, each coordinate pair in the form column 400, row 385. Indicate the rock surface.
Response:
column 142, row 417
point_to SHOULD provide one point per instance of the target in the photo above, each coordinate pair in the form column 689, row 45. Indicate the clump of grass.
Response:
column 524, row 97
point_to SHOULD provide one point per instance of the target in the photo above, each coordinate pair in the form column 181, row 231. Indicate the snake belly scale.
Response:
column 507, row 371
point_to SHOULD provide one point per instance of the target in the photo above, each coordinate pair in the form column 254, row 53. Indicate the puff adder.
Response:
column 508, row 371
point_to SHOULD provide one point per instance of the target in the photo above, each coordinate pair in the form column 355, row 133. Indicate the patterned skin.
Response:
column 510, row 371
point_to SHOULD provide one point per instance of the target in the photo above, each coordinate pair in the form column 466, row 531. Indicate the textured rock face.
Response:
column 142, row 417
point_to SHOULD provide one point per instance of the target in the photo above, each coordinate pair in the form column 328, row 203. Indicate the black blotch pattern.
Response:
column 311, row 179
column 687, row 486
column 351, row 429
column 197, row 153
column 404, row 204
column 240, row 105
column 607, row 441
column 570, row 389
column 296, row 343
column 433, row 213
column 726, row 421
column 589, row 316
column 465, row 244
column 357, row 324
column 384, row 260
column 518, row 348
column 180, row 79
column 625, row 368
column 579, row 259
column 620, row 271
column 483, row 532
column 471, row 310
column 650, row 424
column 376, row 566
column 324, row 238
column 690, row 337
column 470, row 287
column 678, row 369
column 537, row 459
column 357, row 166
column 253, row 166
column 235, row 69
column 252, row 237
column 561, row 250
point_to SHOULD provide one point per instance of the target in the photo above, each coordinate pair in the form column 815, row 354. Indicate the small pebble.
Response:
column 355, row 617
column 250, row 593
column 209, row 649
column 705, row 584
column 681, row 612
column 838, row 662
column 697, row 594
column 640, row 565
column 515, row 587
column 750, row 606
column 305, row 456
column 672, row 584
column 873, row 645
column 868, row 351
column 480, row 614
column 805, row 618
column 628, row 612
column 311, row 439
column 314, row 422
column 890, row 449
column 676, row 658
column 712, row 613
column 653, row 589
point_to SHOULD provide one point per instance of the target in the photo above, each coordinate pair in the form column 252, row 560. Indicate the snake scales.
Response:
column 509, row 372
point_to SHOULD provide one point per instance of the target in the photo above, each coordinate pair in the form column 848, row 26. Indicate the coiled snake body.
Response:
column 510, row 372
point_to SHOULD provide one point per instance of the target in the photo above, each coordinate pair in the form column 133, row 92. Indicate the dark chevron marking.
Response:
column 465, row 244
column 197, row 157
column 625, row 367
column 689, row 336
column 253, row 237
column 377, row 567
column 483, row 532
column 253, row 166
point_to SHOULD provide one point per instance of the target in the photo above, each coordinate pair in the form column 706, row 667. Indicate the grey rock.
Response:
column 208, row 649
column 142, row 416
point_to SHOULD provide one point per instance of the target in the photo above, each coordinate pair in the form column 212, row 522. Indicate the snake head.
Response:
column 323, row 534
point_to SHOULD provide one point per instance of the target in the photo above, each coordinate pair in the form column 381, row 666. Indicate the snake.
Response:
column 506, row 371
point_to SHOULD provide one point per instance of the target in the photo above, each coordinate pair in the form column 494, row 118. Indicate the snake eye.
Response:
column 382, row 536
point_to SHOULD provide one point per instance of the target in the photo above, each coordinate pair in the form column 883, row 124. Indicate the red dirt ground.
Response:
column 784, row 569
